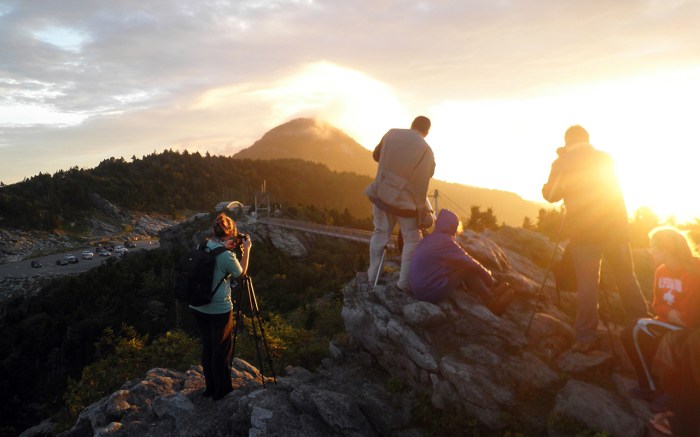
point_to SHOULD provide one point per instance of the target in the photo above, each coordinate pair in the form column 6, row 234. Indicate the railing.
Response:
column 331, row 231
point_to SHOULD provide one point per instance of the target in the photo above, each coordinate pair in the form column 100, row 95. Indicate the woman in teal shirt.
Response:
column 215, row 319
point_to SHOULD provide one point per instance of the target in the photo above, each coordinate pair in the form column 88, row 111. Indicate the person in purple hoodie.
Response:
column 440, row 265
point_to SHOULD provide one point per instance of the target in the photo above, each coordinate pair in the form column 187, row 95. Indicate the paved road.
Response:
column 23, row 268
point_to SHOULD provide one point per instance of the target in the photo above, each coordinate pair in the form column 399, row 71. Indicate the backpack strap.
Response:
column 216, row 252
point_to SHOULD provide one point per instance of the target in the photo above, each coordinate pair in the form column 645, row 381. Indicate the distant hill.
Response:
column 315, row 141
column 301, row 163
column 508, row 207
column 311, row 140
column 170, row 181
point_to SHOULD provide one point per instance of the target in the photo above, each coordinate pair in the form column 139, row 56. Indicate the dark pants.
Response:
column 470, row 280
column 217, row 350
column 587, row 260
column 685, row 399
column 641, row 349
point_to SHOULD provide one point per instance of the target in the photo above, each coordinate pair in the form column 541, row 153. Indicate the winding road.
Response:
column 24, row 268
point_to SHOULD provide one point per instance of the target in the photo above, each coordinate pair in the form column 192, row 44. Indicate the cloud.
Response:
column 131, row 76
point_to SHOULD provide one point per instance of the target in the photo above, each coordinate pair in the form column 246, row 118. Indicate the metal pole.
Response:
column 379, row 270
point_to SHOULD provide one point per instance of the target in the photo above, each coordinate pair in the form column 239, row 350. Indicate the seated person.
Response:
column 676, row 304
column 440, row 265
column 677, row 364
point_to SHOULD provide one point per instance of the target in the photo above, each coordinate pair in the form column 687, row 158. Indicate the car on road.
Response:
column 61, row 262
column 129, row 244
column 72, row 259
column 120, row 250
column 36, row 264
column 87, row 254
column 104, row 252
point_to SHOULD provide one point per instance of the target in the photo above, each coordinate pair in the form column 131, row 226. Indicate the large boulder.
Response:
column 349, row 399
column 507, row 372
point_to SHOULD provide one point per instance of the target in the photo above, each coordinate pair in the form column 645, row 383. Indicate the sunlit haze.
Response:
column 501, row 82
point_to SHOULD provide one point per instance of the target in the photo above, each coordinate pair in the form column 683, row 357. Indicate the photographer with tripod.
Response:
column 215, row 319
column 596, row 225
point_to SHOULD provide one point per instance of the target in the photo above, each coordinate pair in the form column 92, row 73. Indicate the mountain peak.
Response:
column 312, row 140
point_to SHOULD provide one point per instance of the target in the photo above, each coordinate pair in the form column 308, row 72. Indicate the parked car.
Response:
column 36, row 264
column 61, row 262
column 72, row 259
column 87, row 254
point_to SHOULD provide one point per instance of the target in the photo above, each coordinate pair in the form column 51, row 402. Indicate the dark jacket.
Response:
column 595, row 209
column 437, row 256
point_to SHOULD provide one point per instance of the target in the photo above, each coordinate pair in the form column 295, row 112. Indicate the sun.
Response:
column 361, row 106
column 645, row 123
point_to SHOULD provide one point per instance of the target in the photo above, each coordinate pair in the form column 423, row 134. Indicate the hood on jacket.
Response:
column 447, row 222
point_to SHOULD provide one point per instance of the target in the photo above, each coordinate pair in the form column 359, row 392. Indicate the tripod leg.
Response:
column 254, row 303
column 540, row 292
column 606, row 313
column 238, row 316
column 251, row 299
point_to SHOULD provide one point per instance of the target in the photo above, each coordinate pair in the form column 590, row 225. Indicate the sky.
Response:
column 85, row 80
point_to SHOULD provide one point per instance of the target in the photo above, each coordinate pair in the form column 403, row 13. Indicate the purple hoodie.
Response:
column 437, row 257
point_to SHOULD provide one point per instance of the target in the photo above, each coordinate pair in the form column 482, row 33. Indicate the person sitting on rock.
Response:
column 440, row 265
column 677, row 364
column 676, row 304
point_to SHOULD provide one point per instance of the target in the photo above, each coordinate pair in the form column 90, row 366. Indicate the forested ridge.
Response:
column 170, row 181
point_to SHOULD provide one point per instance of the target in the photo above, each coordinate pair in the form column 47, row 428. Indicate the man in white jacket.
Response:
column 406, row 164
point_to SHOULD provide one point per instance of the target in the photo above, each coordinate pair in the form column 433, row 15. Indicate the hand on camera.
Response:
column 247, row 244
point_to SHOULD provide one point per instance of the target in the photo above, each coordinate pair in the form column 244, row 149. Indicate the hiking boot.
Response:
column 502, row 296
column 584, row 347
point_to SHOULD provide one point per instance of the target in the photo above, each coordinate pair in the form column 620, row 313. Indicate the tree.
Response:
column 644, row 220
column 549, row 223
column 527, row 224
column 480, row 221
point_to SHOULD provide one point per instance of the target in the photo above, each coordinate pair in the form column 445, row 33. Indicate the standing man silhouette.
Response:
column 597, row 226
column 406, row 164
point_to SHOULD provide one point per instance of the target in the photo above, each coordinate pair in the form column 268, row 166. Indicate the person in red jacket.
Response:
column 676, row 304
column 677, row 365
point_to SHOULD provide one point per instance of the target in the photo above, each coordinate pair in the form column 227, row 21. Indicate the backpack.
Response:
column 195, row 275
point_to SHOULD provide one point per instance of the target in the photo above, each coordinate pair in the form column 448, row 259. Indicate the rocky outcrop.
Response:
column 346, row 400
column 492, row 368
column 26, row 286
column 16, row 245
column 188, row 234
column 105, row 206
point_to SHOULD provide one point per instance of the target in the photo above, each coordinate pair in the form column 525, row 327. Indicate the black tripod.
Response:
column 246, row 282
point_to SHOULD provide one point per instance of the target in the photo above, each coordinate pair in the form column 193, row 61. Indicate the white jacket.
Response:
column 406, row 164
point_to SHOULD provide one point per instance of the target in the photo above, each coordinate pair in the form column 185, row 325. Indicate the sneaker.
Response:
column 661, row 423
column 584, row 346
column 503, row 295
